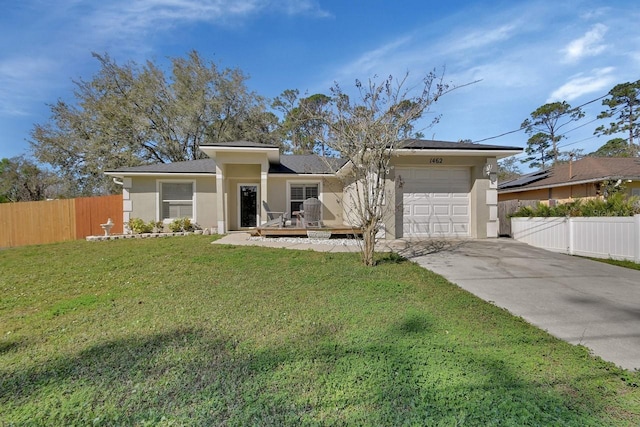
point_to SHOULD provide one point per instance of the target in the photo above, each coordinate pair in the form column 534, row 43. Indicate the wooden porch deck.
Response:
column 302, row 232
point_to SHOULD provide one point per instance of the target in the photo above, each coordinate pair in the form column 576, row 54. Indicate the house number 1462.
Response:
column 437, row 160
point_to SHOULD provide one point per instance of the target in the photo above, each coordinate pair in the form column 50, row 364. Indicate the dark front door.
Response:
column 248, row 206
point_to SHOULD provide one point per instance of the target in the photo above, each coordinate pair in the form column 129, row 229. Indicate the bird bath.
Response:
column 107, row 227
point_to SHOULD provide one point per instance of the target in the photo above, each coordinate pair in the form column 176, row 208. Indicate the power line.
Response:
column 578, row 127
column 521, row 127
column 576, row 142
column 498, row 136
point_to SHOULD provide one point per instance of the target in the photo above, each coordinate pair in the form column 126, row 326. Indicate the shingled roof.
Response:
column 201, row 166
column 292, row 164
column 428, row 144
column 587, row 169
column 289, row 164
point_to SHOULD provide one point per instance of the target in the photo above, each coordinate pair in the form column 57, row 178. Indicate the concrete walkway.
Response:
column 578, row 300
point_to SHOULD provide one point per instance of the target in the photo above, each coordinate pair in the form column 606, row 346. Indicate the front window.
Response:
column 177, row 200
column 300, row 193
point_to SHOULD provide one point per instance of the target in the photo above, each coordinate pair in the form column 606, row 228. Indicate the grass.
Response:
column 620, row 263
column 181, row 332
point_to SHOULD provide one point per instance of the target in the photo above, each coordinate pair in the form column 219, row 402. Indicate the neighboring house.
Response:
column 436, row 188
column 587, row 177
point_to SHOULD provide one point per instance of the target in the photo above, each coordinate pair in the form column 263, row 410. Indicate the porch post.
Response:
column 220, row 199
column 264, row 173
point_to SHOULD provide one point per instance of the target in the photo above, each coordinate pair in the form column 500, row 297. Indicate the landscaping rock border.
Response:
column 138, row 236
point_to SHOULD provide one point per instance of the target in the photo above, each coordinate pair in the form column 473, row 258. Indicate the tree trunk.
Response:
column 368, row 244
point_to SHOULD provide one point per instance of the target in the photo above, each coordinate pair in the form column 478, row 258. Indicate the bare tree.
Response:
column 366, row 130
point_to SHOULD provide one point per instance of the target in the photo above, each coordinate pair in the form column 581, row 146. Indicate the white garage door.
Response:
column 436, row 202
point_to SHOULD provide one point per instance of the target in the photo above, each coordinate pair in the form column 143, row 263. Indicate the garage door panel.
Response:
column 442, row 210
column 436, row 201
column 460, row 210
column 462, row 229
column 442, row 228
column 418, row 210
column 415, row 228
column 441, row 195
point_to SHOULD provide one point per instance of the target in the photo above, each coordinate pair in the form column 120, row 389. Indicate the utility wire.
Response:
column 521, row 127
column 578, row 127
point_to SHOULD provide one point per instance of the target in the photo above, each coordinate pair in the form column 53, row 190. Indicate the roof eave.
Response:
column 273, row 153
column 296, row 174
column 119, row 174
column 567, row 183
column 459, row 152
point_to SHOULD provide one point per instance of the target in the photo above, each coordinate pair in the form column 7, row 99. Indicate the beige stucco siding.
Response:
column 144, row 198
column 330, row 195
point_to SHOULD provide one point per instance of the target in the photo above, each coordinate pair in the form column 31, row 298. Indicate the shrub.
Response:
column 137, row 226
column 182, row 224
column 616, row 204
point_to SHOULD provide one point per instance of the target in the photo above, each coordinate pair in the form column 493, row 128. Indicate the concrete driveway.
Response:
column 578, row 300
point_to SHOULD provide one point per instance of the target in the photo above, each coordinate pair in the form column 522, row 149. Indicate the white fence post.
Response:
column 598, row 237
column 570, row 236
column 636, row 237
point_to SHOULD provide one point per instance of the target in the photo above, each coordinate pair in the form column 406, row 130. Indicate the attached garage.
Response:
column 436, row 201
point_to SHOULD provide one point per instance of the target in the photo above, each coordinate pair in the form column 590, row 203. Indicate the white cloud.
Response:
column 21, row 80
column 483, row 37
column 595, row 13
column 303, row 7
column 600, row 80
column 374, row 60
column 590, row 44
column 138, row 16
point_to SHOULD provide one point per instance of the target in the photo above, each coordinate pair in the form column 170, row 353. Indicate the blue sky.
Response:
column 524, row 53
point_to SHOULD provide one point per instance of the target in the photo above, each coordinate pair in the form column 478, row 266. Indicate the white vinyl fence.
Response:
column 598, row 237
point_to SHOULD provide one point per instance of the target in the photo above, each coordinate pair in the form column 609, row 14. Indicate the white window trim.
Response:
column 298, row 182
column 159, row 183
column 238, row 208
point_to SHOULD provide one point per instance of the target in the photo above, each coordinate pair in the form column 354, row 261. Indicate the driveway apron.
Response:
column 575, row 299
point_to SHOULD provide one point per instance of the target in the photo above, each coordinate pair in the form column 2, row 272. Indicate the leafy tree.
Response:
column 616, row 147
column 508, row 169
column 131, row 114
column 366, row 130
column 303, row 125
column 548, row 120
column 539, row 151
column 624, row 104
column 21, row 180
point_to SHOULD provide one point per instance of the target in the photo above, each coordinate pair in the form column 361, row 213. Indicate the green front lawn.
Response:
column 177, row 331
column 620, row 263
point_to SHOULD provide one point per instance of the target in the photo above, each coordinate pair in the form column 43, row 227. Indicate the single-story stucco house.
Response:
column 437, row 188
column 581, row 178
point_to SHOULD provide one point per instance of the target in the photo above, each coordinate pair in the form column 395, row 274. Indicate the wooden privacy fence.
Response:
column 31, row 223
column 508, row 207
